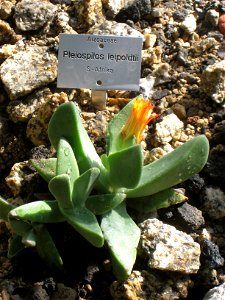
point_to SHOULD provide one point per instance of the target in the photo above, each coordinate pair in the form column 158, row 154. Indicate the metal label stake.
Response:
column 99, row 99
column 99, row 63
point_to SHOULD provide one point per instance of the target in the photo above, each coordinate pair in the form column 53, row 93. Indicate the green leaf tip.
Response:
column 66, row 161
column 114, row 140
column 85, row 222
column 173, row 168
column 101, row 204
column 72, row 129
column 122, row 236
column 60, row 188
column 5, row 208
column 45, row 167
column 156, row 201
column 125, row 167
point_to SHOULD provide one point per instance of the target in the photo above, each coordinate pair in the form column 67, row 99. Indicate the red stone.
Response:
column 221, row 24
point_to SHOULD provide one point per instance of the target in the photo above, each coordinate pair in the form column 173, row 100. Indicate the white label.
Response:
column 99, row 62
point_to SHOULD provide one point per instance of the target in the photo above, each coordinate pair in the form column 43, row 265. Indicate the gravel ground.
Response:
column 183, row 72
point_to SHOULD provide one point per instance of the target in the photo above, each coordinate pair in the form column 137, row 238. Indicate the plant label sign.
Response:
column 99, row 62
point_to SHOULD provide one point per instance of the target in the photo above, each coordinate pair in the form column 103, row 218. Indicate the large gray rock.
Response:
column 168, row 248
column 27, row 70
column 33, row 14
column 22, row 111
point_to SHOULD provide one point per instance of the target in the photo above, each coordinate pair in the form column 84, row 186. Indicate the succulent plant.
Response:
column 91, row 192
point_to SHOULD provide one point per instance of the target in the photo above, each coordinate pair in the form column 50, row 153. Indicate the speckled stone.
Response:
column 89, row 12
column 212, row 16
column 146, row 86
column 37, row 126
column 6, row 8
column 189, row 24
column 33, row 14
column 8, row 50
column 7, row 34
column 22, row 111
column 213, row 199
column 112, row 27
column 217, row 293
column 154, row 154
column 152, row 56
column 147, row 286
column 150, row 39
column 96, row 125
column 16, row 177
column 161, row 73
column 112, row 7
column 167, row 248
column 167, row 129
column 27, row 70
column 213, row 81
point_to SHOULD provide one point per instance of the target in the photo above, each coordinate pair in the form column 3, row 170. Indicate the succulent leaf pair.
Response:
column 91, row 192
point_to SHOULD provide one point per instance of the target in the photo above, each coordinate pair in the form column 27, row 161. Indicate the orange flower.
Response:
column 140, row 116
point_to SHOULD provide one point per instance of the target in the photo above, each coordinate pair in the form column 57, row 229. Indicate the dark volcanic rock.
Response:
column 219, row 135
column 194, row 184
column 211, row 255
column 184, row 217
column 189, row 217
column 180, row 14
column 214, row 168
column 135, row 11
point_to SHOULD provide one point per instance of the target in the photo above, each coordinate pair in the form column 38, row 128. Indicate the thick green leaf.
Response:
column 85, row 222
column 19, row 227
column 101, row 204
column 114, row 139
column 66, row 161
column 156, row 201
column 104, row 159
column 125, row 167
column 38, row 211
column 66, row 123
column 45, row 167
column 122, row 236
column 46, row 248
column 72, row 129
column 83, row 186
column 75, row 213
column 15, row 246
column 29, row 238
column 5, row 208
column 174, row 168
column 59, row 186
